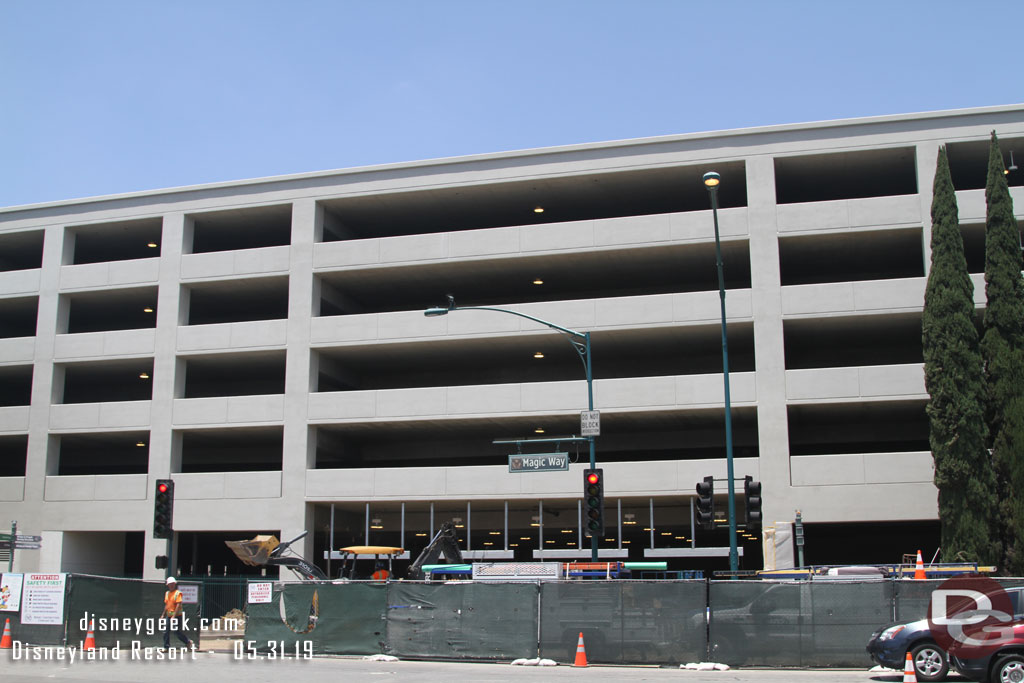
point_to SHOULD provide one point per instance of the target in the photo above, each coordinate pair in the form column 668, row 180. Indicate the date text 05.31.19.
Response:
column 273, row 649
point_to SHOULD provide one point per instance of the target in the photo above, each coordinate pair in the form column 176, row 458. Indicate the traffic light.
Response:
column 752, row 492
column 163, row 509
column 593, row 502
column 706, row 503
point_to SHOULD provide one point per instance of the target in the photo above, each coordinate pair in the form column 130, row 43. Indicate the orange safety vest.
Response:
column 381, row 575
column 172, row 602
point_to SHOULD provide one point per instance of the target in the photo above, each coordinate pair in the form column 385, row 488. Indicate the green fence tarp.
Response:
column 336, row 618
column 624, row 622
column 756, row 623
column 462, row 620
column 127, row 612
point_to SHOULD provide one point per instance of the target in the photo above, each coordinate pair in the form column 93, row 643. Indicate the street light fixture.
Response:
column 580, row 343
column 711, row 181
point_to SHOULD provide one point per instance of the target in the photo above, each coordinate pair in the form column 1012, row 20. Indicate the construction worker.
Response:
column 172, row 614
column 381, row 575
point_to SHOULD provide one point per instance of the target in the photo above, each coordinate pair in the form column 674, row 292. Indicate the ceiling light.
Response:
column 538, row 281
column 525, row 538
column 144, row 375
column 513, row 545
column 151, row 245
column 538, row 430
column 494, row 533
column 566, row 531
column 141, row 444
column 147, row 309
column 488, row 543
column 538, row 209
column 460, row 526
column 538, row 355
column 421, row 534
column 549, row 541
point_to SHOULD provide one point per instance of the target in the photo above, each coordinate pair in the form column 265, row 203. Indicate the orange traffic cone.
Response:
column 909, row 675
column 919, row 567
column 6, row 643
column 90, row 637
column 581, row 653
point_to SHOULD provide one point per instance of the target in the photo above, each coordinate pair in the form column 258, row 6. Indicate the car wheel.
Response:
column 930, row 662
column 1009, row 669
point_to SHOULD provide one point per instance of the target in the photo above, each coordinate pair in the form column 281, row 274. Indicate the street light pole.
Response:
column 711, row 181
column 580, row 343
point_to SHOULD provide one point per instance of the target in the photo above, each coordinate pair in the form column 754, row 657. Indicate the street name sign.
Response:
column 538, row 462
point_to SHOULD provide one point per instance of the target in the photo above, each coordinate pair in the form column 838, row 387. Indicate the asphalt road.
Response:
column 218, row 667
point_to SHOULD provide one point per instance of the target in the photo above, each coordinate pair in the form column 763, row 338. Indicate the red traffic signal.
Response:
column 162, row 487
column 593, row 477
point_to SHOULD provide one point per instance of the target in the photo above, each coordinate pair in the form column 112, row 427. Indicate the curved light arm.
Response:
column 433, row 312
column 580, row 341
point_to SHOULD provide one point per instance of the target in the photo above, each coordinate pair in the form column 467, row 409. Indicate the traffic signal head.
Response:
column 706, row 503
column 752, row 495
column 163, row 509
column 593, row 502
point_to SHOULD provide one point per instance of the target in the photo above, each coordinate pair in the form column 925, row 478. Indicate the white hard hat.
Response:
column 171, row 579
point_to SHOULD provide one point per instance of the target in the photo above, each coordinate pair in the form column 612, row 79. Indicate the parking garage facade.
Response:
column 263, row 343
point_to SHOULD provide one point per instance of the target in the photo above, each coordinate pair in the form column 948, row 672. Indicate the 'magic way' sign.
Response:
column 539, row 462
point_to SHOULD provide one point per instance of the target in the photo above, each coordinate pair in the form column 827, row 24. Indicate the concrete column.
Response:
column 307, row 220
column 42, row 456
column 927, row 157
column 162, row 460
column 769, row 349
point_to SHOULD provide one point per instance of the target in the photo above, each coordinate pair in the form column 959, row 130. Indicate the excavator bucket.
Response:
column 254, row 552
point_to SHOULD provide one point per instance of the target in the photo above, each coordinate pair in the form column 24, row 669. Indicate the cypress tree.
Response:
column 1001, row 347
column 955, row 382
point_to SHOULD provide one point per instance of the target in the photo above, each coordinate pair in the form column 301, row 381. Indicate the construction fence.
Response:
column 752, row 623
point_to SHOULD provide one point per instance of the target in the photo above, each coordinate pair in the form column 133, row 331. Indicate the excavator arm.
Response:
column 445, row 541
column 268, row 551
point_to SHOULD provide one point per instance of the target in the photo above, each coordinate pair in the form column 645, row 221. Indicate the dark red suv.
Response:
column 1003, row 665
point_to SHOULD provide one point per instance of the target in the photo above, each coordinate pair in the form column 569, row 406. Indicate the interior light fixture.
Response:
column 534, row 524
column 147, row 309
column 525, row 538
column 538, row 281
column 421, row 534
column 140, row 444
column 538, row 209
column 494, row 533
column 144, row 375
column 460, row 526
column 566, row 531
column 538, row 355
column 513, row 545
column 549, row 541
column 488, row 543
column 151, row 245
column 538, row 430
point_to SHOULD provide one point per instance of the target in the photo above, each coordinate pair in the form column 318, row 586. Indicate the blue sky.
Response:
column 111, row 96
